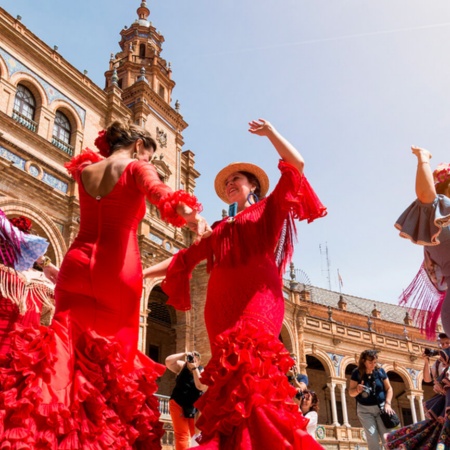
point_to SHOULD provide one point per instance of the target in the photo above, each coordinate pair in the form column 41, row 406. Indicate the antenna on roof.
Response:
column 324, row 253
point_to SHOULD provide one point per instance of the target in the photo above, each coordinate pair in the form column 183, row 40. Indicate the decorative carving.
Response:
column 161, row 137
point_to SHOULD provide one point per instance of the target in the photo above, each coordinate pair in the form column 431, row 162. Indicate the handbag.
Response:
column 389, row 420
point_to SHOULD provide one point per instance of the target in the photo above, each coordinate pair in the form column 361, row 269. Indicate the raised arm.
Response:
column 177, row 208
column 425, row 190
column 284, row 148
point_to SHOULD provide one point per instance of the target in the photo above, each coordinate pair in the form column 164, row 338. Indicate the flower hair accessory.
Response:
column 442, row 173
column 22, row 223
column 102, row 144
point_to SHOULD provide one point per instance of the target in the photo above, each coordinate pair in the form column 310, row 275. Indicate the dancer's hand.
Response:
column 260, row 127
column 422, row 154
column 200, row 227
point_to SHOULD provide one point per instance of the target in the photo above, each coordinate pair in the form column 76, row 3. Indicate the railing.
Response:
column 25, row 121
column 164, row 407
column 66, row 148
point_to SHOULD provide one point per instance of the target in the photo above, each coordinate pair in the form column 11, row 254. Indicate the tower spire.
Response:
column 143, row 12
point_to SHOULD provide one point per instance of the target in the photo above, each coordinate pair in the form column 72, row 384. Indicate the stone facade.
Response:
column 326, row 330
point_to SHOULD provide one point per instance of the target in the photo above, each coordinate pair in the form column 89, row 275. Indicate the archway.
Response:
column 318, row 378
column 161, row 335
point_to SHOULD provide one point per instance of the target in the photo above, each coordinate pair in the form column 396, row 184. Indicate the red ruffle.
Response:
column 168, row 206
column 248, row 404
column 87, row 155
column 104, row 406
column 303, row 200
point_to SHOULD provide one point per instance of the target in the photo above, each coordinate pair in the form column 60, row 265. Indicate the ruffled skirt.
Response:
column 248, row 404
column 57, row 394
column 426, row 435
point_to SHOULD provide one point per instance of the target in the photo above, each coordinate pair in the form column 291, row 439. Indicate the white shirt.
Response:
column 312, row 425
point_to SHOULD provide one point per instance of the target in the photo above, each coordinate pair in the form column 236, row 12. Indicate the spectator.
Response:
column 309, row 406
column 372, row 389
column 188, row 388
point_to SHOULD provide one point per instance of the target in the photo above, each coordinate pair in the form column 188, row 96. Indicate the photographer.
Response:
column 372, row 389
column 298, row 380
column 430, row 374
column 308, row 403
column 188, row 388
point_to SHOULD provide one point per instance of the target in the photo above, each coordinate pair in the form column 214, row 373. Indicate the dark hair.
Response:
column 253, row 180
column 442, row 336
column 314, row 400
column 442, row 188
column 363, row 357
column 122, row 134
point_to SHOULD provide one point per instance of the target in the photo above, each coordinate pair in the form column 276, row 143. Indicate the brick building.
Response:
column 49, row 111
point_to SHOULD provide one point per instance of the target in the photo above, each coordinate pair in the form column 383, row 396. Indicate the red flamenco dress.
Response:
column 248, row 404
column 81, row 383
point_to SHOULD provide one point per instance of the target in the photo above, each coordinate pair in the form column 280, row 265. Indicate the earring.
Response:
column 252, row 197
column 134, row 155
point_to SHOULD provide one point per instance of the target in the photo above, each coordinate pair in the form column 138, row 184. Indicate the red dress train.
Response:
column 248, row 404
column 81, row 383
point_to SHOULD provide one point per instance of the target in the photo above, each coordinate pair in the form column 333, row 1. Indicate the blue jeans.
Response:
column 370, row 419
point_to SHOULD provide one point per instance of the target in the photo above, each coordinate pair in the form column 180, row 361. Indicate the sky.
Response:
column 351, row 83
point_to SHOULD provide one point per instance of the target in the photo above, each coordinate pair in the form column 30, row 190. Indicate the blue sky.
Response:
column 352, row 83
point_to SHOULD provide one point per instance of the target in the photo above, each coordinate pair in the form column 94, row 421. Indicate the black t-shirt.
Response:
column 374, row 381
column 185, row 393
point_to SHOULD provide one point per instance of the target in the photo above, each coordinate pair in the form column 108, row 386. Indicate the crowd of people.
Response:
column 82, row 378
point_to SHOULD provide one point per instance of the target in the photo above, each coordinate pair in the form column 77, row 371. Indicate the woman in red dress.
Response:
column 81, row 383
column 248, row 403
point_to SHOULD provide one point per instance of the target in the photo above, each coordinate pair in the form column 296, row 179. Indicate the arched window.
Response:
column 24, row 107
column 61, row 128
column 62, row 132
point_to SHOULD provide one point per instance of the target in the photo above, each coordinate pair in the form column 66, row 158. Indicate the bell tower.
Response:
column 142, row 76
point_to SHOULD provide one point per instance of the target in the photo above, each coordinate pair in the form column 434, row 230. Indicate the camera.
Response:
column 430, row 352
column 299, row 395
column 366, row 392
column 190, row 358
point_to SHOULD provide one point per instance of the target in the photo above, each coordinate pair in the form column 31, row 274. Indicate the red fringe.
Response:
column 168, row 206
column 87, row 155
column 304, row 202
column 424, row 301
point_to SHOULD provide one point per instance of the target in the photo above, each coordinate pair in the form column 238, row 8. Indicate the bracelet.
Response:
column 388, row 403
column 46, row 261
column 423, row 162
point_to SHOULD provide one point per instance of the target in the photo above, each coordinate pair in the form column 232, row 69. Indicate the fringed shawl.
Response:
column 266, row 228
column 25, row 293
column 424, row 297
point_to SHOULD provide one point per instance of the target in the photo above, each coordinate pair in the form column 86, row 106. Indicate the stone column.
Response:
column 413, row 407
column 421, row 411
column 342, row 387
column 331, row 387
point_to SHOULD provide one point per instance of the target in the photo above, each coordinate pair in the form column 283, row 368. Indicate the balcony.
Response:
column 25, row 121
column 66, row 148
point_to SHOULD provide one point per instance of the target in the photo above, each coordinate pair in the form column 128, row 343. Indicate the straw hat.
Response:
column 219, row 182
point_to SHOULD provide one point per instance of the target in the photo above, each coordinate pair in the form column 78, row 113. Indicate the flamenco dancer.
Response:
column 25, row 293
column 426, row 222
column 81, row 383
column 248, row 404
